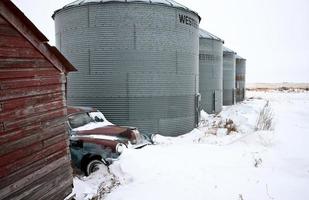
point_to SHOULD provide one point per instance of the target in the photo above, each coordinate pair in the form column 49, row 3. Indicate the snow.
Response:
column 94, row 136
column 225, row 158
column 89, row 187
column 243, row 115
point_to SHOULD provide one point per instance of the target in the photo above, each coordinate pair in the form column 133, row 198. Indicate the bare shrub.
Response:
column 284, row 88
column 257, row 162
column 220, row 123
column 107, row 187
column 265, row 120
column 203, row 123
column 230, row 126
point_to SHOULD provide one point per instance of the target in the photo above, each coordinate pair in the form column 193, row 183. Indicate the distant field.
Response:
column 278, row 86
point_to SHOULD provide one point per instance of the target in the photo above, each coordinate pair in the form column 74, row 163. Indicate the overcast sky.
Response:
column 273, row 35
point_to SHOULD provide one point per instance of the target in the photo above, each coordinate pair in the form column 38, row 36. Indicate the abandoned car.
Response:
column 95, row 141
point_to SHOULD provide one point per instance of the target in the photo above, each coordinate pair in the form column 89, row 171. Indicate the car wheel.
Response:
column 95, row 165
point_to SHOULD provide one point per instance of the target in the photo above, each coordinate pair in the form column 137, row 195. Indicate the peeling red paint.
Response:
column 33, row 137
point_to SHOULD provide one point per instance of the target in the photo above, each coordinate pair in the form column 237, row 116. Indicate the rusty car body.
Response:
column 94, row 140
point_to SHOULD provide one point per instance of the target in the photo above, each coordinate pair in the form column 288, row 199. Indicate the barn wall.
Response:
column 34, row 161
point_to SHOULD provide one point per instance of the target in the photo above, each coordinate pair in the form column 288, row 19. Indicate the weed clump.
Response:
column 265, row 120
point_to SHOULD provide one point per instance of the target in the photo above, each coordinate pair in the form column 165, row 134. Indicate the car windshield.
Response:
column 79, row 120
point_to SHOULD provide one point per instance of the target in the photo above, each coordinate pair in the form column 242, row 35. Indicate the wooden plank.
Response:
column 3, row 21
column 31, row 82
column 39, row 183
column 19, row 52
column 59, row 191
column 20, row 124
column 24, row 73
column 14, row 41
column 54, row 122
column 18, row 196
column 20, row 153
column 18, row 134
column 24, row 181
column 54, row 140
column 17, row 104
column 24, row 146
column 30, row 168
column 67, row 193
column 30, row 130
column 2, row 129
column 64, row 193
column 8, row 30
column 40, row 161
column 58, row 184
column 31, row 91
column 71, row 196
column 21, row 63
column 31, row 110
column 14, row 149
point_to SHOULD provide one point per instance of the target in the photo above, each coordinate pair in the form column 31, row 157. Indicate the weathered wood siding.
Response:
column 34, row 155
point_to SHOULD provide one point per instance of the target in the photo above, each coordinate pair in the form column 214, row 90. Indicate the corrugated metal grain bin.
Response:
column 240, row 78
column 34, row 156
column 210, row 68
column 137, row 61
column 229, row 74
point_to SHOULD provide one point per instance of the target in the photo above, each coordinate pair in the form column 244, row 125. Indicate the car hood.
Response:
column 111, row 130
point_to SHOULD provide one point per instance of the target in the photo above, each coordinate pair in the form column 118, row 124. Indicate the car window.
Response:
column 79, row 120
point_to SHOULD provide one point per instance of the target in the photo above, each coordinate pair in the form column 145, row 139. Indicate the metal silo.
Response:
column 210, row 67
column 229, row 73
column 240, row 78
column 137, row 61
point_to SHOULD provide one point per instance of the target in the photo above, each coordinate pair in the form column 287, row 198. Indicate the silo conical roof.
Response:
column 239, row 57
column 164, row 2
column 205, row 34
column 225, row 49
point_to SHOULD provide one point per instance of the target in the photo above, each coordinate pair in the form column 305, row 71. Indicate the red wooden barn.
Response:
column 34, row 154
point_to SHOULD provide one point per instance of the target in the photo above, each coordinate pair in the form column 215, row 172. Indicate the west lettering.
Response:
column 182, row 19
column 188, row 21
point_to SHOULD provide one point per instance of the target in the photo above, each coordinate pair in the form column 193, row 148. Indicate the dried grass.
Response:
column 265, row 120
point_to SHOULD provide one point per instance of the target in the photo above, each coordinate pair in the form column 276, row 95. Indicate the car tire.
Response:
column 95, row 165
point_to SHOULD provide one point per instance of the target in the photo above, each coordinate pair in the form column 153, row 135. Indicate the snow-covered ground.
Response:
column 227, row 157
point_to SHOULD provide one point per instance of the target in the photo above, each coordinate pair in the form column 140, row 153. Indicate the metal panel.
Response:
column 240, row 79
column 229, row 78
column 137, row 62
column 210, row 74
